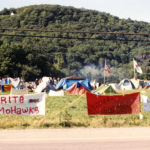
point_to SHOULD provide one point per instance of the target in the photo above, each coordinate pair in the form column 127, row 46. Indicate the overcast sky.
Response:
column 134, row 9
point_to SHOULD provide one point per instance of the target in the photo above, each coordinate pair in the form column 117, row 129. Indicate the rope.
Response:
column 69, row 105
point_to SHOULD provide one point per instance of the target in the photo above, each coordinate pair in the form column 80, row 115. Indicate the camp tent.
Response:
column 44, row 85
column 77, row 89
column 67, row 82
column 7, row 87
column 136, row 83
column 15, row 82
column 106, row 89
column 126, row 84
column 40, row 87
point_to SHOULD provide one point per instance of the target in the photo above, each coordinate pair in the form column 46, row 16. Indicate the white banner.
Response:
column 30, row 104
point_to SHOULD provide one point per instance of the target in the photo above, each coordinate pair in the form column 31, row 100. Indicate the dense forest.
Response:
column 82, row 43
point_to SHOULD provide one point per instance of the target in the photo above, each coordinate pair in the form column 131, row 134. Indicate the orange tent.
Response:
column 7, row 87
column 77, row 90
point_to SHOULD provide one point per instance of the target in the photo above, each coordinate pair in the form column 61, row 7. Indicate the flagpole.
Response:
column 104, row 71
column 134, row 69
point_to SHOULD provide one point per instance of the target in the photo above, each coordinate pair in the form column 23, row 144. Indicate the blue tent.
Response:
column 66, row 83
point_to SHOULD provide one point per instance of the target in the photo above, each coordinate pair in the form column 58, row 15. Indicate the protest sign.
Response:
column 30, row 104
column 113, row 104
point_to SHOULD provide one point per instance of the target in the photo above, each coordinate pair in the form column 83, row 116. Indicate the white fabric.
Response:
column 136, row 66
column 56, row 93
column 45, row 79
column 40, row 87
column 144, row 98
column 15, row 82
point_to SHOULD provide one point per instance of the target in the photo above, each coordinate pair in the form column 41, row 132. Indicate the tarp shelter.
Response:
column 77, row 89
column 67, row 82
column 126, row 84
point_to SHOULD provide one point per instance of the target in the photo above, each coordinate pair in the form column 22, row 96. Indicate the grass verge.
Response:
column 74, row 115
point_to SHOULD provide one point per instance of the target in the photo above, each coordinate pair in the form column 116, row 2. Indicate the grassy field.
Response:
column 71, row 111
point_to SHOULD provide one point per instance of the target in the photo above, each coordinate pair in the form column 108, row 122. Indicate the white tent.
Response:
column 15, row 82
column 43, row 85
column 126, row 84
column 40, row 87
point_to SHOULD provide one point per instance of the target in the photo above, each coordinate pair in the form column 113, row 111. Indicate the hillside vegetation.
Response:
column 64, row 54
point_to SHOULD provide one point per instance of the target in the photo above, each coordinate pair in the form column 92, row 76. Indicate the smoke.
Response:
column 91, row 72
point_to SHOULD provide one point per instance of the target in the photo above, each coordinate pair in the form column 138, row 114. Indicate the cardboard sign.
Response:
column 30, row 104
column 115, row 104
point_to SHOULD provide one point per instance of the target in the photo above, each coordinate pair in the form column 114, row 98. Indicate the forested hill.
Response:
column 36, row 53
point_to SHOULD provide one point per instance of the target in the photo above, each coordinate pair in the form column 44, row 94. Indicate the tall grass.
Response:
column 58, row 115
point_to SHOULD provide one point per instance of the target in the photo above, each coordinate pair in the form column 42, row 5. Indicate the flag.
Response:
column 137, row 67
column 107, row 69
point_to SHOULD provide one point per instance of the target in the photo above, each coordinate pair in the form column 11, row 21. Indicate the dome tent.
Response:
column 126, row 84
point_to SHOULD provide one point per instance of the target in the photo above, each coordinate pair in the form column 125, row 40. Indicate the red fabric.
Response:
column 77, row 91
column 115, row 104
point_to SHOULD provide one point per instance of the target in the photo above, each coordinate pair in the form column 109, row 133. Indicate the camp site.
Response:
column 66, row 67
column 74, row 75
column 74, row 102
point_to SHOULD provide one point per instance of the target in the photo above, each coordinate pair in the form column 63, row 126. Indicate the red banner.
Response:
column 113, row 104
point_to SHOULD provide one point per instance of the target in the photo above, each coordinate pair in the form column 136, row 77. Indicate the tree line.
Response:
column 65, row 54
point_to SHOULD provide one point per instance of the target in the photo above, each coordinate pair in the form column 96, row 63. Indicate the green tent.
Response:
column 107, row 90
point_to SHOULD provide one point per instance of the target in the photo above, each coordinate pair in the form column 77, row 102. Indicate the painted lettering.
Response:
column 3, row 100
column 21, row 99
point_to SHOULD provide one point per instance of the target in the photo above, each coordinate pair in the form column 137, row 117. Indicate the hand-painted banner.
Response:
column 30, row 104
column 115, row 104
